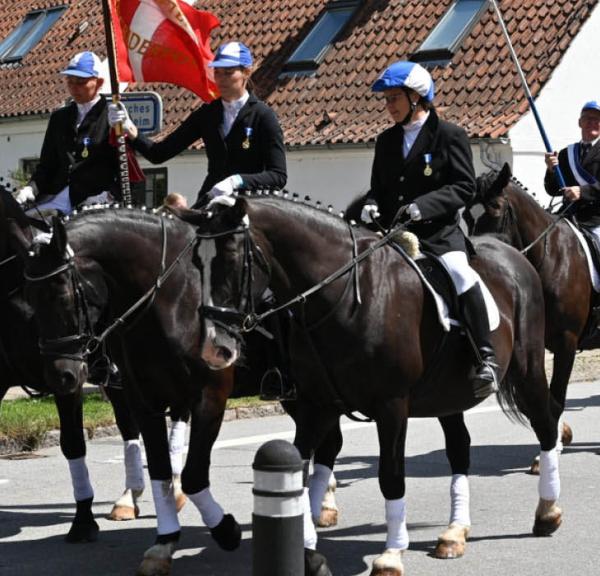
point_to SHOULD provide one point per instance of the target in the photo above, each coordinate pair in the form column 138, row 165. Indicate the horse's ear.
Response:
column 59, row 236
column 17, row 238
column 505, row 175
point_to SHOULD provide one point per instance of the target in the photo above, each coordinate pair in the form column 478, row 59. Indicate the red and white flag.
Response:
column 164, row 41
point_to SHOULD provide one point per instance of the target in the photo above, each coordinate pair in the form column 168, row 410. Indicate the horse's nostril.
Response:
column 225, row 353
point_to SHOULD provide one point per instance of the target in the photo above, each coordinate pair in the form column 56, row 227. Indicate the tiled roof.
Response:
column 479, row 89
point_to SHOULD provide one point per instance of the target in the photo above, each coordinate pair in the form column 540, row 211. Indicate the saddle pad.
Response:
column 443, row 310
column 593, row 272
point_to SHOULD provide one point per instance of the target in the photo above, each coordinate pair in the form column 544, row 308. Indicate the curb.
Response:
column 52, row 437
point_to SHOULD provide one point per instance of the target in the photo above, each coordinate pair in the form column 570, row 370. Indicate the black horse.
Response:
column 21, row 365
column 370, row 336
column 556, row 253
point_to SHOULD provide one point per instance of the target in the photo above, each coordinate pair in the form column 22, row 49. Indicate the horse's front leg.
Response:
column 207, row 416
column 158, row 558
column 452, row 542
column 392, row 418
column 126, row 508
column 72, row 444
column 322, row 482
column 313, row 425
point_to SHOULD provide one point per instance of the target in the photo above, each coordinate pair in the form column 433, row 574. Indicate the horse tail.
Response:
column 510, row 401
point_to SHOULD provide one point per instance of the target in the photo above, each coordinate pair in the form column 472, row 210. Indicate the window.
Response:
column 313, row 48
column 153, row 190
column 31, row 30
column 440, row 46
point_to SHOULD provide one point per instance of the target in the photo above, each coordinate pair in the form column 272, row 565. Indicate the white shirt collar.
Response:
column 593, row 142
column 416, row 125
column 236, row 105
column 83, row 109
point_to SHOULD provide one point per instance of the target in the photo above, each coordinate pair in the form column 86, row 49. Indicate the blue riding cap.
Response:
column 232, row 54
column 591, row 105
column 405, row 74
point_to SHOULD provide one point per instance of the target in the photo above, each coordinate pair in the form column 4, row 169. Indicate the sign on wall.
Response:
column 145, row 110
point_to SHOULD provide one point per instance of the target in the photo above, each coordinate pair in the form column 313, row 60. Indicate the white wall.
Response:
column 19, row 139
column 574, row 82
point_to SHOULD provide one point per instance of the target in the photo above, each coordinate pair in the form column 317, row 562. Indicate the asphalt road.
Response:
column 36, row 503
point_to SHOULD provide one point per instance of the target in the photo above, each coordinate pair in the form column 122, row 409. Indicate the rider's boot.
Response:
column 484, row 378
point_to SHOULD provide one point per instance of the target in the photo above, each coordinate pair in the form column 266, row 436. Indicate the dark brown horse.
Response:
column 561, row 263
column 133, row 270
column 21, row 365
column 375, row 354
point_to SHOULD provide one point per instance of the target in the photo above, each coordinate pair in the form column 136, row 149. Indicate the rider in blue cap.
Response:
column 423, row 175
column 580, row 166
column 241, row 134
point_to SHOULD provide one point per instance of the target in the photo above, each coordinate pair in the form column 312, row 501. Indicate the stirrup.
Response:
column 484, row 379
column 275, row 386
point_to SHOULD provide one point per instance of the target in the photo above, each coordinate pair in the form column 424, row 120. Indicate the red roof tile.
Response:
column 479, row 89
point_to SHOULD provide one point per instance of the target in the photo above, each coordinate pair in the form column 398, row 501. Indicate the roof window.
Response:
column 29, row 32
column 313, row 48
column 445, row 39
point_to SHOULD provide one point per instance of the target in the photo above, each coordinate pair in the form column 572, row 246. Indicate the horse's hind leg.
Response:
column 72, row 444
column 452, row 542
column 322, row 482
column 125, row 508
column 537, row 405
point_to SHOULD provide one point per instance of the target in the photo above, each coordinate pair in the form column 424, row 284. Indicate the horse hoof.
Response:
column 87, row 532
column 315, row 564
column 227, row 533
column 180, row 500
column 388, row 564
column 452, row 542
column 535, row 467
column 328, row 518
column 548, row 518
column 566, row 434
column 154, row 567
column 123, row 513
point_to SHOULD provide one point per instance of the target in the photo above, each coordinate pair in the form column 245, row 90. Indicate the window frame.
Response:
column 311, row 64
column 16, row 41
column 442, row 56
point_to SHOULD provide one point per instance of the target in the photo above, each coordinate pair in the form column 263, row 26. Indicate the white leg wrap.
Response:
column 176, row 445
column 459, row 500
column 310, row 532
column 559, row 442
column 209, row 508
column 164, row 503
column 317, row 487
column 395, row 517
column 134, row 469
column 82, row 488
column 549, row 482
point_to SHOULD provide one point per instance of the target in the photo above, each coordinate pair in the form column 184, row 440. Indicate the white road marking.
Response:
column 4, row 480
column 289, row 434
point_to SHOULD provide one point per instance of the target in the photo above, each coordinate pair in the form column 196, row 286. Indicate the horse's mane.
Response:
column 307, row 209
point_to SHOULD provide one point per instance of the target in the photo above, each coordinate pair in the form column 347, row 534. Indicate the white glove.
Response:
column 414, row 212
column 226, row 187
column 369, row 213
column 25, row 194
column 117, row 113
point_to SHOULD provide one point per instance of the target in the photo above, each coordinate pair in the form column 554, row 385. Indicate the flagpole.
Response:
column 532, row 106
column 114, row 88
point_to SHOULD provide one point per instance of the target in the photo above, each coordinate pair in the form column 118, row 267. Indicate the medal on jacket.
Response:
column 428, row 171
column 246, row 142
column 86, row 142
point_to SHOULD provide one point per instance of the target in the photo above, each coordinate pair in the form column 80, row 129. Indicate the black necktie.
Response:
column 585, row 148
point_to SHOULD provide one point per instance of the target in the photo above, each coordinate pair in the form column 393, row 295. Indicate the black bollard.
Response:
column 277, row 521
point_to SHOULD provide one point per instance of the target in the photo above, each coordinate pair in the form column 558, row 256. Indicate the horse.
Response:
column 369, row 337
column 553, row 248
column 21, row 365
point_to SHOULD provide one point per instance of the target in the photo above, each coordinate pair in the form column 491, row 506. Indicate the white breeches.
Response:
column 463, row 276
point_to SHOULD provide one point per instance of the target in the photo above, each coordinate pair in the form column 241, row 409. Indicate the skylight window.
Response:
column 29, row 32
column 445, row 39
column 313, row 48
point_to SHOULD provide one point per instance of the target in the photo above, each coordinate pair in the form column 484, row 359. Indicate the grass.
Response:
column 25, row 421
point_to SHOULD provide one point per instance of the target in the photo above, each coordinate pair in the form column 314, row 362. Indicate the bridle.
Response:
column 85, row 342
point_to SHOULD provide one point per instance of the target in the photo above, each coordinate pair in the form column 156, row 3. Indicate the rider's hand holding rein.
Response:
column 25, row 194
column 117, row 114
column 369, row 213
column 571, row 193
